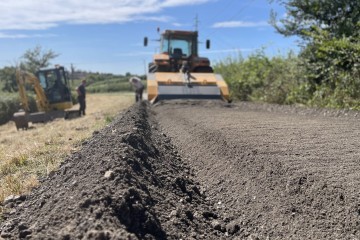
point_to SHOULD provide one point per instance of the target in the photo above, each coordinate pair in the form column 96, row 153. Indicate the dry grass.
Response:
column 26, row 155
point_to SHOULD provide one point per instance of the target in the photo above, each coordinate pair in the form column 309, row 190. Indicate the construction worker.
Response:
column 138, row 86
column 81, row 91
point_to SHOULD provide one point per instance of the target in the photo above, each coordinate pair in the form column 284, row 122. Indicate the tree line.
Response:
column 31, row 61
column 325, row 73
column 34, row 59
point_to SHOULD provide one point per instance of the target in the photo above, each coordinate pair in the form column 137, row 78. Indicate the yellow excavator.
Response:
column 177, row 71
column 53, row 96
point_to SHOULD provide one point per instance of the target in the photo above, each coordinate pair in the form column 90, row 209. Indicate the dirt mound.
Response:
column 127, row 182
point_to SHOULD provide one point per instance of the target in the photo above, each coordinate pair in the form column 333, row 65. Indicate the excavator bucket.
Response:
column 177, row 85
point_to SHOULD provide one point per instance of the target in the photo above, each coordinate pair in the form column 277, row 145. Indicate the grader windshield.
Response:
column 179, row 45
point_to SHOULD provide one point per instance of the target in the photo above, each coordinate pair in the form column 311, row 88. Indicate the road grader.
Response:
column 178, row 72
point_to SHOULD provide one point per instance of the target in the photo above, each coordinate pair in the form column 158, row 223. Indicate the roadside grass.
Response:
column 27, row 155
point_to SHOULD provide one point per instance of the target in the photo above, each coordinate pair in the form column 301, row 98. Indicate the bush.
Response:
column 74, row 98
column 8, row 106
column 333, row 67
column 10, row 103
column 108, row 86
column 102, row 83
column 261, row 78
column 294, row 79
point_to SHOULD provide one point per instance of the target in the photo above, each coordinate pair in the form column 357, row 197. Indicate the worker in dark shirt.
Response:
column 81, row 97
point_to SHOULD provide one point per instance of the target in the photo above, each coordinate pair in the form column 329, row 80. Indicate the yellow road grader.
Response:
column 177, row 71
column 53, row 96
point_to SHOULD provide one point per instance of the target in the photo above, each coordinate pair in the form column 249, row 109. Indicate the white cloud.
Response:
column 235, row 24
column 41, row 14
column 176, row 3
column 176, row 24
column 14, row 36
column 4, row 35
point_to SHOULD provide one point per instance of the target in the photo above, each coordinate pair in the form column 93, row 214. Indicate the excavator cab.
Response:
column 56, row 87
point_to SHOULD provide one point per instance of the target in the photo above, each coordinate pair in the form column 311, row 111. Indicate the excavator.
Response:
column 53, row 96
column 177, row 71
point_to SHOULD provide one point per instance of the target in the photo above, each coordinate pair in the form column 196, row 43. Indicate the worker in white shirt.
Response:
column 138, row 86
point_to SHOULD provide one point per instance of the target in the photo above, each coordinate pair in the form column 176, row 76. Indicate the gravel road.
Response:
column 203, row 170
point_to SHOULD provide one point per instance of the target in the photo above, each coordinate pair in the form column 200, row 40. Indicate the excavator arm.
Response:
column 22, row 91
column 23, row 77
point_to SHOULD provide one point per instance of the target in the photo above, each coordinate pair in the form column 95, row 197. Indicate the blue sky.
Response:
column 107, row 36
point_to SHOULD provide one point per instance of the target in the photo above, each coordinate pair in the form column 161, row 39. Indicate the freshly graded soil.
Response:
column 203, row 170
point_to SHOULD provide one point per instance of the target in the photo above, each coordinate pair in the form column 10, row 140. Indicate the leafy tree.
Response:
column 33, row 59
column 326, row 56
column 7, row 75
column 261, row 78
column 338, row 17
column 38, row 58
column 331, row 48
column 330, row 29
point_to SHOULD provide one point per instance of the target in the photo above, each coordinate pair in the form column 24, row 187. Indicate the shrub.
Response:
column 108, row 86
column 8, row 106
column 10, row 103
column 261, row 78
column 294, row 79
